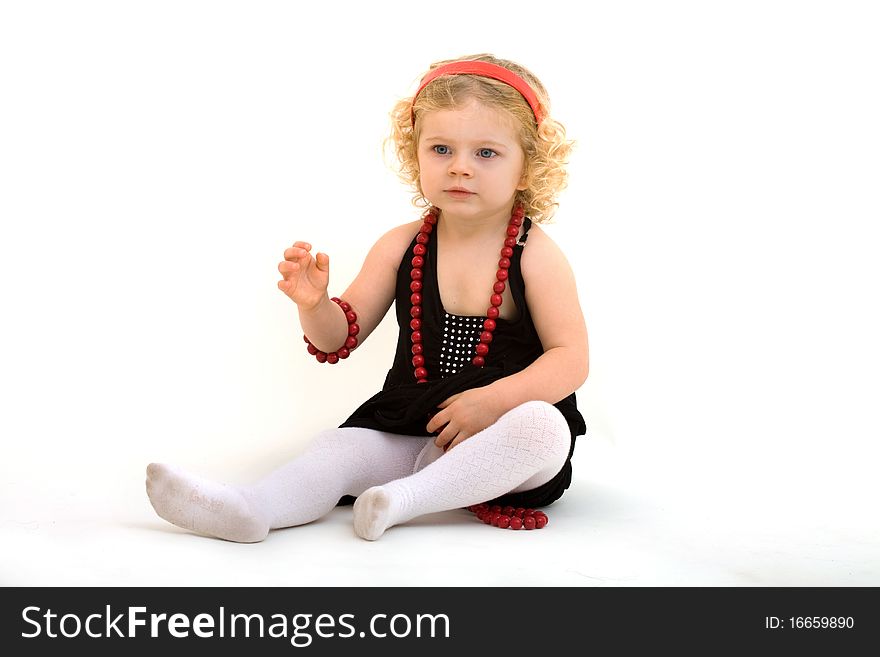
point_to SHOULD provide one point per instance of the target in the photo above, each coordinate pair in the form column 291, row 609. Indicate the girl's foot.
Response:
column 372, row 513
column 202, row 506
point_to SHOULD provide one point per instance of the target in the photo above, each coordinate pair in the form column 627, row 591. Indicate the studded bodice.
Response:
column 460, row 336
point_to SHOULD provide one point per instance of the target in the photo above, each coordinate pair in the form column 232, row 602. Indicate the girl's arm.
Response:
column 370, row 294
column 551, row 293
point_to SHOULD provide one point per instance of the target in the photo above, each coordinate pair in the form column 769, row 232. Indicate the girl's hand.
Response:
column 305, row 278
column 465, row 414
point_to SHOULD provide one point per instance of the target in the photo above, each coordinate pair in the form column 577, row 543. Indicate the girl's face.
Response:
column 473, row 148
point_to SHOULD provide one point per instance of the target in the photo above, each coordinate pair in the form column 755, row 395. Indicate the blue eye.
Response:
column 441, row 150
column 487, row 153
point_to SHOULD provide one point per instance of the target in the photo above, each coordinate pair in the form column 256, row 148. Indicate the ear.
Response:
column 524, row 180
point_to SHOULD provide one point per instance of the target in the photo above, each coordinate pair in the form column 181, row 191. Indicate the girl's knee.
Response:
column 331, row 440
column 538, row 418
column 539, row 414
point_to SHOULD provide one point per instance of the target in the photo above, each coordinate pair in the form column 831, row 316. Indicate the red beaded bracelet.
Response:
column 351, row 341
column 509, row 518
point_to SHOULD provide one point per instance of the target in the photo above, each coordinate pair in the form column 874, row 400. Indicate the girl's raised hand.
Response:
column 305, row 277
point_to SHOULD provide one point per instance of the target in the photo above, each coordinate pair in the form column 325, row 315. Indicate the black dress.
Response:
column 404, row 406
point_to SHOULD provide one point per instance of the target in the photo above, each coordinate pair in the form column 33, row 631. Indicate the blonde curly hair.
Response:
column 545, row 147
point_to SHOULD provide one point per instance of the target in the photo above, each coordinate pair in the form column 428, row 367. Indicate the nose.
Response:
column 459, row 165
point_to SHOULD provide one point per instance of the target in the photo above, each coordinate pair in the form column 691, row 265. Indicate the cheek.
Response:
column 427, row 171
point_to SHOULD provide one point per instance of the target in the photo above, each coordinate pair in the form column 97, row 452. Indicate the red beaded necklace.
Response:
column 493, row 312
column 506, row 517
column 509, row 518
column 497, row 516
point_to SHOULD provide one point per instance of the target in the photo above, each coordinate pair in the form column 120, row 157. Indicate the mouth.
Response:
column 459, row 192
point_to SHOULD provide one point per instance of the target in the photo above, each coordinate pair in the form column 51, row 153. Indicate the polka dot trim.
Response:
column 460, row 337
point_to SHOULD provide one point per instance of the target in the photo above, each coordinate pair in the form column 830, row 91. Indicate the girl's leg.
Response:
column 525, row 448
column 338, row 462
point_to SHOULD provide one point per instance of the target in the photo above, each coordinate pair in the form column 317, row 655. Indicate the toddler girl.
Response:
column 479, row 403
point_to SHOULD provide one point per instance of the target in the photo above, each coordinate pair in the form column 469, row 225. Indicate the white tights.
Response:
column 395, row 478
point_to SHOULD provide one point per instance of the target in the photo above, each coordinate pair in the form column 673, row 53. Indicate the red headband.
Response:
column 486, row 70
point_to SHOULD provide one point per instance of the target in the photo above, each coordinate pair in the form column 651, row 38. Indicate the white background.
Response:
column 156, row 159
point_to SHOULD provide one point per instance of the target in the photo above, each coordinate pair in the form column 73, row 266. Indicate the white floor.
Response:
column 616, row 526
